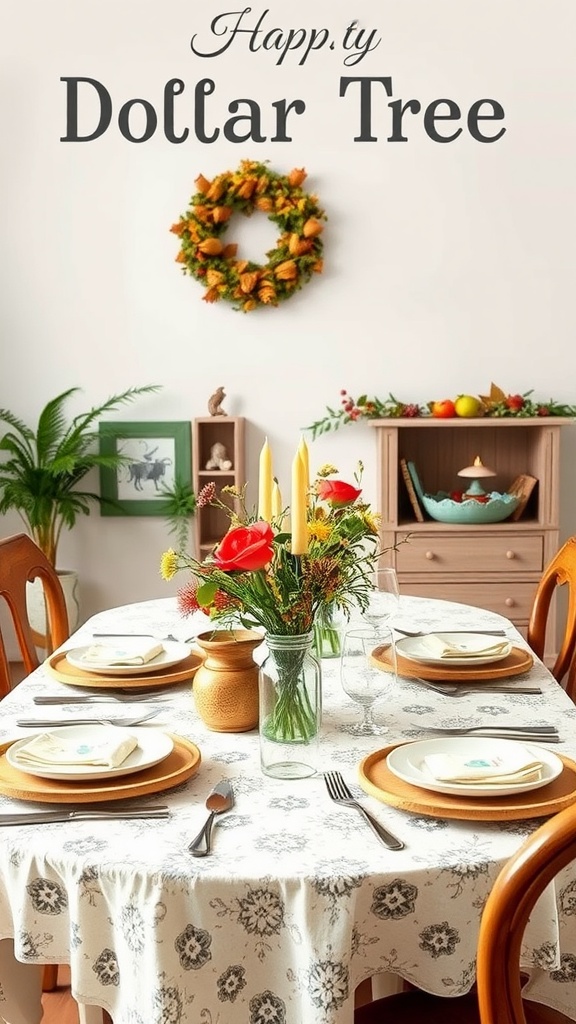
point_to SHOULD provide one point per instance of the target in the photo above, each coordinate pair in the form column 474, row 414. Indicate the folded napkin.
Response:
column 101, row 746
column 440, row 648
column 518, row 765
column 137, row 652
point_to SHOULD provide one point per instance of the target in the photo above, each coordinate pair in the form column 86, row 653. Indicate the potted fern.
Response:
column 42, row 468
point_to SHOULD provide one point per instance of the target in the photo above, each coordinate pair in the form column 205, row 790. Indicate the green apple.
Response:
column 468, row 406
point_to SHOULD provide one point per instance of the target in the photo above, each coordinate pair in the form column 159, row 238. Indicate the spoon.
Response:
column 220, row 799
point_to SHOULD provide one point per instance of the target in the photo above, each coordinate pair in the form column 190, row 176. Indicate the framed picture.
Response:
column 157, row 455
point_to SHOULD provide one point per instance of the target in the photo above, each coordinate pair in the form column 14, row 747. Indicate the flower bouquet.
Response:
column 263, row 575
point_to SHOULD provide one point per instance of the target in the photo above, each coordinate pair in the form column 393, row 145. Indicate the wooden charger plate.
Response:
column 180, row 765
column 377, row 780
column 514, row 664
column 57, row 665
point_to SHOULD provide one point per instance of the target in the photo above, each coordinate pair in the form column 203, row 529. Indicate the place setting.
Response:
column 473, row 775
column 128, row 662
column 453, row 657
column 95, row 761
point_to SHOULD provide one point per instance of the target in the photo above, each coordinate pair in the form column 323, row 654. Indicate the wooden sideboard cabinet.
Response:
column 496, row 565
column 211, row 523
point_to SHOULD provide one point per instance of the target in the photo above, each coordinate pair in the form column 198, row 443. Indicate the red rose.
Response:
column 245, row 547
column 337, row 493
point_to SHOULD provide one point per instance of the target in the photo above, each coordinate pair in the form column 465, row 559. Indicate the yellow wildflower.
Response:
column 319, row 530
column 372, row 520
column 168, row 564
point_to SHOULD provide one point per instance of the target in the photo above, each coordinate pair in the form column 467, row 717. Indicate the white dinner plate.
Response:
column 153, row 747
column 407, row 763
column 172, row 654
column 414, row 649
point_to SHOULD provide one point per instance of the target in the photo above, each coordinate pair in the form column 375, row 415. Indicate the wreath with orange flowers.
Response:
column 296, row 256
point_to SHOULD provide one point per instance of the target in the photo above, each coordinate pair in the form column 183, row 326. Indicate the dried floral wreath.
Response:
column 248, row 285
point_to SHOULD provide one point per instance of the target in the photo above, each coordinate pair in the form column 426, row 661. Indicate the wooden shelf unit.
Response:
column 497, row 565
column 210, row 524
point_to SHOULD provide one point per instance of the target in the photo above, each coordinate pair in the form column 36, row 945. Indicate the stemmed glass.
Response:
column 361, row 679
column 384, row 598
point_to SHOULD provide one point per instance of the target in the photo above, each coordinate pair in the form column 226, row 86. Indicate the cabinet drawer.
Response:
column 514, row 600
column 472, row 553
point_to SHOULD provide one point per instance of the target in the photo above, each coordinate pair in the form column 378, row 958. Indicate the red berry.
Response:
column 515, row 402
column 543, row 410
column 343, row 391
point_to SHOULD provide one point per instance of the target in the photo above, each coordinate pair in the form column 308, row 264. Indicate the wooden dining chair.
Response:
column 560, row 571
column 21, row 560
column 497, row 997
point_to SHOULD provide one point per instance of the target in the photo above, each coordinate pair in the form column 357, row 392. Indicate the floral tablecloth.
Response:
column 298, row 902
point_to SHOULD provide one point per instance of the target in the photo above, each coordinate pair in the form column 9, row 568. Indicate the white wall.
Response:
column 448, row 266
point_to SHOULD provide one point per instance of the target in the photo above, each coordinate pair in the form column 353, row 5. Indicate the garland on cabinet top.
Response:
column 497, row 403
column 247, row 285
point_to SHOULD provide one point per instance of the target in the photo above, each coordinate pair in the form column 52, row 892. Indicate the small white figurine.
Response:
column 218, row 457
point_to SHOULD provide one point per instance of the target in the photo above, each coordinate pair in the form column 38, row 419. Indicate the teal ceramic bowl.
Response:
column 445, row 510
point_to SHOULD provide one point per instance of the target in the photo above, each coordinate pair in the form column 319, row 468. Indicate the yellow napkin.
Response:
column 131, row 653
column 490, row 766
column 101, row 746
column 440, row 648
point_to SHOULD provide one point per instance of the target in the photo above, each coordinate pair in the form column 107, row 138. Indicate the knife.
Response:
column 97, row 814
column 95, row 698
column 503, row 734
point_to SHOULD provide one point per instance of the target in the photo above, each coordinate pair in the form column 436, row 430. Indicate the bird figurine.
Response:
column 215, row 403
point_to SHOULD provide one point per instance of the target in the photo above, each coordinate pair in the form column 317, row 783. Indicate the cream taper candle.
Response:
column 265, row 483
column 303, row 449
column 298, row 507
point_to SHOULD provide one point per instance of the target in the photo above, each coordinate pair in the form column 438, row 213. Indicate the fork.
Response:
column 339, row 792
column 449, row 690
column 94, row 698
column 170, row 636
column 50, row 723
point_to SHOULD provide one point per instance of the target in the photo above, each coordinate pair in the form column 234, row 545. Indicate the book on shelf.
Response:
column 521, row 488
column 416, row 507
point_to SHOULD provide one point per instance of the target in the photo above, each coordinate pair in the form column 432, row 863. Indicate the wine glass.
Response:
column 384, row 598
column 360, row 678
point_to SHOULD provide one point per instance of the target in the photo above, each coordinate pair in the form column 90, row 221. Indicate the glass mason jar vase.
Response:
column 290, row 707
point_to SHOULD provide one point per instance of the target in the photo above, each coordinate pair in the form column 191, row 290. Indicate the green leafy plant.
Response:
column 43, row 467
column 179, row 509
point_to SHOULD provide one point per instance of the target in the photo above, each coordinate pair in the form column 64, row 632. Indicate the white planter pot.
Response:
column 36, row 604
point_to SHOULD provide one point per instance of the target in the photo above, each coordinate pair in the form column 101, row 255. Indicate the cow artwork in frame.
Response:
column 157, row 457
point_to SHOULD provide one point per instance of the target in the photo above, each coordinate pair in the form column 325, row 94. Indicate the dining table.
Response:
column 298, row 901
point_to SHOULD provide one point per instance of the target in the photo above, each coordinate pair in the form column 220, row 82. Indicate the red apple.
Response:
column 444, row 409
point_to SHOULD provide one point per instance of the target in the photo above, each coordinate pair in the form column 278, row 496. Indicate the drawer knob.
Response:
column 509, row 602
column 430, row 556
column 510, row 554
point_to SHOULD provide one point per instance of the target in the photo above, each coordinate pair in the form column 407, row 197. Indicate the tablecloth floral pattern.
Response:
column 298, row 901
